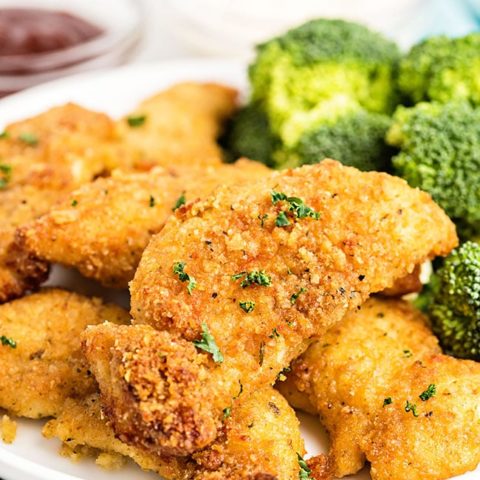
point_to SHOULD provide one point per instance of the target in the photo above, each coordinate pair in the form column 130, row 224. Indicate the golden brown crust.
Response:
column 66, row 147
column 386, row 351
column 409, row 284
column 144, row 376
column 47, row 366
column 373, row 229
column 260, row 440
column 103, row 228
column 181, row 125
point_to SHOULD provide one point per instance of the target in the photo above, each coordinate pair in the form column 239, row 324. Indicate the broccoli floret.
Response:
column 321, row 71
column 357, row 140
column 442, row 69
column 452, row 300
column 440, row 153
column 249, row 135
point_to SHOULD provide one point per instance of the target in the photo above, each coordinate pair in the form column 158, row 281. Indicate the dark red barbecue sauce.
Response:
column 25, row 32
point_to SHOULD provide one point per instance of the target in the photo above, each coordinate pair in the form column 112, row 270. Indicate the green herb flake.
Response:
column 282, row 220
column 227, row 412
column 407, row 353
column 151, row 201
column 29, row 138
column 181, row 200
column 74, row 203
column 305, row 472
column 8, row 342
column 247, row 306
column 295, row 296
column 179, row 269
column 262, row 219
column 278, row 197
column 274, row 334
column 387, row 401
column 411, row 407
column 136, row 120
column 255, row 277
column 6, row 175
column 208, row 344
column 4, row 134
column 430, row 392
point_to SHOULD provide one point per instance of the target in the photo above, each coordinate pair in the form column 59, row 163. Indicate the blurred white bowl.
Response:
column 229, row 27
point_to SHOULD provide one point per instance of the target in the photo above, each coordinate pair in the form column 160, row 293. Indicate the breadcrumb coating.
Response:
column 40, row 354
column 223, row 275
column 359, row 378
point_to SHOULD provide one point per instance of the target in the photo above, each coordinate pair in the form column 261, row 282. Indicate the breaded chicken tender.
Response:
column 42, row 160
column 103, row 228
column 40, row 356
column 248, row 277
column 180, row 125
column 260, row 441
column 385, row 393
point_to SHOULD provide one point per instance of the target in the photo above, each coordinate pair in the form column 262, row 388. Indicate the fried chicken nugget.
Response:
column 366, row 377
column 103, row 228
column 42, row 160
column 251, row 289
column 260, row 441
column 40, row 356
column 180, row 125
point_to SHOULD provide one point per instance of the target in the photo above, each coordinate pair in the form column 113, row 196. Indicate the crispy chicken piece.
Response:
column 180, row 125
column 42, row 160
column 103, row 228
column 412, row 283
column 359, row 377
column 252, row 294
column 260, row 441
column 40, row 356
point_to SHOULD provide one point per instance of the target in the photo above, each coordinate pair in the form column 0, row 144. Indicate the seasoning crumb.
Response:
column 8, row 429
column 110, row 461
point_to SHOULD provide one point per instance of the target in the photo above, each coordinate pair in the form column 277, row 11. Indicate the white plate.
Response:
column 31, row 457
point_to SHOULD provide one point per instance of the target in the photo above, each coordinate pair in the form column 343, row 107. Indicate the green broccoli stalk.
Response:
column 452, row 300
column 440, row 153
column 321, row 71
column 442, row 69
column 356, row 140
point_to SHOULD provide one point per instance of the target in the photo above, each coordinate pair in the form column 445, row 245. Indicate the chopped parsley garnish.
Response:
column 8, row 342
column 297, row 207
column 282, row 220
column 136, row 120
column 227, row 412
column 247, row 307
column 152, row 201
column 179, row 269
column 6, row 174
column 4, row 134
column 207, row 343
column 29, row 138
column 74, row 203
column 274, row 334
column 258, row 277
column 304, row 473
column 411, row 407
column 387, row 401
column 407, row 353
column 295, row 296
column 181, row 200
column 430, row 392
